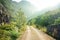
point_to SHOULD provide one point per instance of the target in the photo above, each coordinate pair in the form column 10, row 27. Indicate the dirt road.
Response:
column 34, row 34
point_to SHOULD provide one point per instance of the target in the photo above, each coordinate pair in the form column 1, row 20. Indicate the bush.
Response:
column 8, row 31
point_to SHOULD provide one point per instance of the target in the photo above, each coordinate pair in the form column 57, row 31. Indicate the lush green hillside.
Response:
column 48, row 22
column 14, row 16
column 48, row 18
column 12, row 24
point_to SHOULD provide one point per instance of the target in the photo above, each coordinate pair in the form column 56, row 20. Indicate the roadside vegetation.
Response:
column 12, row 23
column 48, row 22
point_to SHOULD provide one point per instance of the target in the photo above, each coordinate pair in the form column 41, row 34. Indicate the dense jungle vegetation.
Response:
column 48, row 21
column 12, row 24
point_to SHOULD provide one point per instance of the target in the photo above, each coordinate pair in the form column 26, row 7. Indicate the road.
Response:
column 34, row 34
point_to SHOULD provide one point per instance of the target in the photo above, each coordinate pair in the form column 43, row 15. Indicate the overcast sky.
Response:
column 42, row 4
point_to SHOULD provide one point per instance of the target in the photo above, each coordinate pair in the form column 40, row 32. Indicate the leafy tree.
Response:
column 57, row 21
column 20, row 18
column 12, row 30
column 47, row 18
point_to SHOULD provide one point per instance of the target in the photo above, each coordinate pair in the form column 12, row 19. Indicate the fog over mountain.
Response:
column 29, row 9
column 26, row 7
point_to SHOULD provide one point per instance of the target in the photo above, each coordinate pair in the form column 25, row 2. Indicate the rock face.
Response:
column 54, row 30
column 3, row 14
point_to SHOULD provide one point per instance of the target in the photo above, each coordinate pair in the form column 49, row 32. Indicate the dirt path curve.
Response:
column 34, row 34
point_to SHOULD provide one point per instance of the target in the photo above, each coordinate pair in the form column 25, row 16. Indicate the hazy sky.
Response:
column 42, row 4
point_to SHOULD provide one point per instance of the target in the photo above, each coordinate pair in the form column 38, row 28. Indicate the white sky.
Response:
column 42, row 4
column 16, row 0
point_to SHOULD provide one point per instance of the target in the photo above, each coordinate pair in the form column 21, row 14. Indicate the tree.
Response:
column 47, row 18
column 57, row 21
column 20, row 18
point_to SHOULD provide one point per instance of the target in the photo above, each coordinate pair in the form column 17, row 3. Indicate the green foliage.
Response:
column 5, row 38
column 32, row 21
column 7, row 4
column 51, row 18
column 16, row 27
column 20, row 18
column 57, row 21
column 47, row 18
column 8, row 30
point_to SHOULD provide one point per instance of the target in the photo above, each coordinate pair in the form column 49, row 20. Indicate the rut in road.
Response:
column 34, row 34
